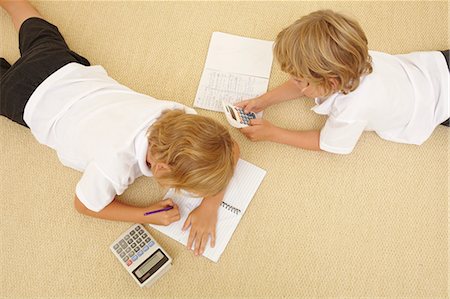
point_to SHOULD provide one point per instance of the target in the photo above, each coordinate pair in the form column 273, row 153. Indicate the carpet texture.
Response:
column 370, row 224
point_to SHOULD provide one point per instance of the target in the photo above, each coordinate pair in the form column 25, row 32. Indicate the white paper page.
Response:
column 216, row 86
column 236, row 68
column 236, row 54
column 239, row 193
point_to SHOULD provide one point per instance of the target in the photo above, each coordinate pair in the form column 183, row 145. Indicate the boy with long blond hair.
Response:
column 400, row 97
column 112, row 133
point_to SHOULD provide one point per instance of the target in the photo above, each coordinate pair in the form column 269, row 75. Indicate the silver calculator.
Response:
column 236, row 116
column 141, row 255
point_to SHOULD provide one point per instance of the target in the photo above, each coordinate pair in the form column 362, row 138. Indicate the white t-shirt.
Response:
column 96, row 125
column 402, row 100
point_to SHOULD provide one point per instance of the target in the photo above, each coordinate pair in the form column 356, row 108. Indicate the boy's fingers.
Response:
column 175, row 214
column 175, row 208
column 191, row 240
column 256, row 121
column 249, row 108
column 213, row 239
column 186, row 224
column 168, row 202
column 203, row 244
column 196, row 245
column 241, row 104
column 245, row 130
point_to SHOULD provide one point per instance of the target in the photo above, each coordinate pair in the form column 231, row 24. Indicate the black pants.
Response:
column 43, row 51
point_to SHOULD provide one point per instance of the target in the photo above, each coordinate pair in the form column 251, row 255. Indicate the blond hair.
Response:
column 324, row 45
column 198, row 150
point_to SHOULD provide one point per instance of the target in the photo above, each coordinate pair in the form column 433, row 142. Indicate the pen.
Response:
column 160, row 210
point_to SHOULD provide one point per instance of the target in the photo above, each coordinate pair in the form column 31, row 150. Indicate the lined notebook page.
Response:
column 238, row 195
column 236, row 68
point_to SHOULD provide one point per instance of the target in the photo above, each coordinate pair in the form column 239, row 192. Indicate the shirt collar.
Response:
column 141, row 147
column 324, row 105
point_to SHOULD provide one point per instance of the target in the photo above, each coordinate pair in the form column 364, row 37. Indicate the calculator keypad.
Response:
column 245, row 117
column 133, row 245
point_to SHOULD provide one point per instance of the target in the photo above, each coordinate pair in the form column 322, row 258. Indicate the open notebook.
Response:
column 236, row 68
column 238, row 195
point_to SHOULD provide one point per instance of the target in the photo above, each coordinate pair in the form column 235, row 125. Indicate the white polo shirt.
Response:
column 96, row 125
column 402, row 100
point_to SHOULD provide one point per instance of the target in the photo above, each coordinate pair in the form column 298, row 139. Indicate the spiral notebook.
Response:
column 239, row 193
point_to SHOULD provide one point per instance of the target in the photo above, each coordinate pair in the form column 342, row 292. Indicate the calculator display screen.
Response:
column 150, row 266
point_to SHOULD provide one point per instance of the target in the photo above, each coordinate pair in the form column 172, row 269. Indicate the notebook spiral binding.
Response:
column 230, row 208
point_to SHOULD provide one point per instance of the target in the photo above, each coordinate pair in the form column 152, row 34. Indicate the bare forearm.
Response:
column 309, row 140
column 285, row 92
column 117, row 211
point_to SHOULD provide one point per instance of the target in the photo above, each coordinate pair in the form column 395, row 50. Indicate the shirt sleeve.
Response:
column 340, row 137
column 189, row 110
column 94, row 189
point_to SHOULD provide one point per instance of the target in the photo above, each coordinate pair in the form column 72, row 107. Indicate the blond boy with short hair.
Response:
column 112, row 133
column 400, row 97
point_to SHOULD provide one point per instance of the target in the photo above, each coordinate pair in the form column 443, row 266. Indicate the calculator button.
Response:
column 125, row 258
column 135, row 236
column 134, row 258
column 116, row 246
column 119, row 250
column 147, row 240
column 145, row 248
column 144, row 236
column 141, row 232
column 132, row 232
column 136, row 249
column 123, row 244
column 127, row 249
column 129, row 262
column 133, row 245
column 142, row 244
column 139, row 240
column 127, row 237
column 151, row 243
column 140, row 252
column 122, row 254
column 130, row 241
column 137, row 228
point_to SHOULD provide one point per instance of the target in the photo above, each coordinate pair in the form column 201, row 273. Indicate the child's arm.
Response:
column 261, row 129
column 203, row 219
column 287, row 91
column 122, row 212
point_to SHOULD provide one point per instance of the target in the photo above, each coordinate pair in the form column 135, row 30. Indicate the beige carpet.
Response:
column 371, row 224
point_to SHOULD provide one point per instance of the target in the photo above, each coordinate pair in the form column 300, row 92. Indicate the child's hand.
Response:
column 165, row 217
column 252, row 105
column 203, row 222
column 259, row 130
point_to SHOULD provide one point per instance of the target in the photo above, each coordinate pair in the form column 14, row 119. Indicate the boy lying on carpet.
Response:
column 403, row 98
column 112, row 133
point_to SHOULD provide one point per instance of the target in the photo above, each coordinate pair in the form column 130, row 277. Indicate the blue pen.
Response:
column 160, row 210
